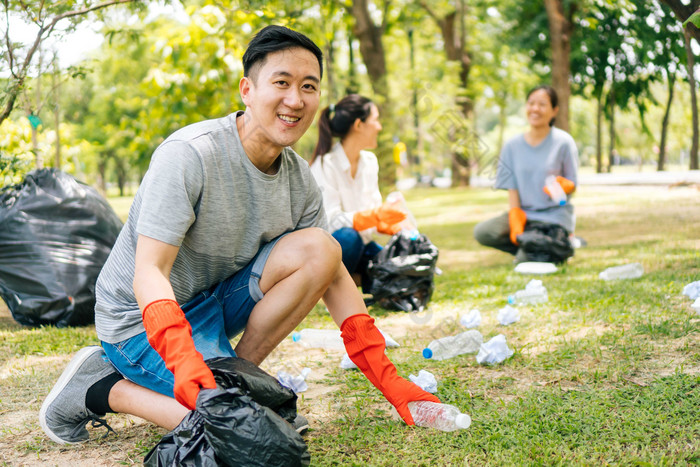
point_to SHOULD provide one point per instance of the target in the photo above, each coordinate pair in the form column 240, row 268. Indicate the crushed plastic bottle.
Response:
column 389, row 341
column 556, row 192
column 346, row 363
column 451, row 346
column 692, row 290
column 626, row 271
column 533, row 293
column 443, row 417
column 508, row 315
column 471, row 319
column 295, row 383
column 696, row 305
column 494, row 351
column 425, row 380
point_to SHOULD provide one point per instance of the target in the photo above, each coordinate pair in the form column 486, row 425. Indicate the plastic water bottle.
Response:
column 443, row 417
column 408, row 225
column 319, row 338
column 451, row 346
column 556, row 192
column 626, row 271
column 533, row 293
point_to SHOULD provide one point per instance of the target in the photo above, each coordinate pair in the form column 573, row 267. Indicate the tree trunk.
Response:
column 560, row 30
column 693, row 100
column 56, row 112
column 417, row 155
column 352, row 86
column 599, row 134
column 502, row 116
column 120, row 170
column 664, row 123
column 455, row 41
column 38, row 156
column 329, row 72
column 611, row 103
column 372, row 50
column 102, row 174
column 683, row 12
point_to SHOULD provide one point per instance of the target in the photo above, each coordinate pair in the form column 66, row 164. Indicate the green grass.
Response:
column 604, row 373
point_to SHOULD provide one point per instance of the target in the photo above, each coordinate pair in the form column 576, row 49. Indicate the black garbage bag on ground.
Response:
column 55, row 235
column 402, row 273
column 545, row 242
column 245, row 421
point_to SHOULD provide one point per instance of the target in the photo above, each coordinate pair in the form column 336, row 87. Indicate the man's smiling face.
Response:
column 282, row 96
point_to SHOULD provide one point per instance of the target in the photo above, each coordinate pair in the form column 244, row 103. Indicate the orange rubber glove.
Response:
column 566, row 185
column 170, row 334
column 365, row 346
column 385, row 228
column 516, row 220
column 386, row 213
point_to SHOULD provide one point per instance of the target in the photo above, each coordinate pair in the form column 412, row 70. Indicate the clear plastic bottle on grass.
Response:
column 533, row 293
column 329, row 339
column 626, row 271
column 319, row 338
column 443, row 417
column 451, row 346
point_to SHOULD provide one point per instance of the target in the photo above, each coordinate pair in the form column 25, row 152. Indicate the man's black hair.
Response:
column 273, row 39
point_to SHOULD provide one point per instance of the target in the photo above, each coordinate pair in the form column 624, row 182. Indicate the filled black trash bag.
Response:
column 244, row 422
column 55, row 235
column 402, row 273
column 544, row 242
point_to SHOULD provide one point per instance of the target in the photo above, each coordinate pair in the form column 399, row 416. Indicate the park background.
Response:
column 450, row 78
column 604, row 373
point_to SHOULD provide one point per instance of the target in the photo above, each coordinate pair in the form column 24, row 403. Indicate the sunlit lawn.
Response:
column 604, row 373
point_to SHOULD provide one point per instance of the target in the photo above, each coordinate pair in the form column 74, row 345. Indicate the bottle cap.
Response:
column 296, row 336
column 562, row 202
column 463, row 420
column 427, row 353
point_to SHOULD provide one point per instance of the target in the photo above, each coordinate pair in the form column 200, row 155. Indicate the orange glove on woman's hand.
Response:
column 365, row 346
column 388, row 229
column 566, row 185
column 170, row 334
column 385, row 213
column 516, row 220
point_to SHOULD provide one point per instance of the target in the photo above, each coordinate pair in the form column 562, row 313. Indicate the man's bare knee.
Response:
column 319, row 248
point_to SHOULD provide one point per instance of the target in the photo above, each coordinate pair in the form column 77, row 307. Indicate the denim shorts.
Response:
column 216, row 315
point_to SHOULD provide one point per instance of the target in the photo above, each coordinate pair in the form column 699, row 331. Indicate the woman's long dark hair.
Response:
column 553, row 98
column 336, row 120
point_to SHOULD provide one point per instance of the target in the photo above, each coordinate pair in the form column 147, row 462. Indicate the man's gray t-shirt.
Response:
column 525, row 168
column 203, row 194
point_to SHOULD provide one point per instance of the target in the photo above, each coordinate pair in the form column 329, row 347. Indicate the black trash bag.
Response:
column 402, row 273
column 55, row 236
column 545, row 242
column 245, row 421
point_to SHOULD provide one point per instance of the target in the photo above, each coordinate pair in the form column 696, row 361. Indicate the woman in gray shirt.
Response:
column 525, row 163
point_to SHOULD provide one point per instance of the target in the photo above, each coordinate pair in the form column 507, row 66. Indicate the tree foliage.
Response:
column 450, row 75
column 45, row 17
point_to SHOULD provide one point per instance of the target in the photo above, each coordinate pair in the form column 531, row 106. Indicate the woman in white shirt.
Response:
column 348, row 177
